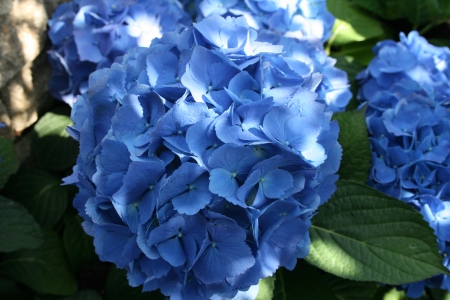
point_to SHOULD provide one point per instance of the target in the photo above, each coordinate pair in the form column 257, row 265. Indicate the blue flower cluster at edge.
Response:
column 87, row 35
column 407, row 88
column 203, row 158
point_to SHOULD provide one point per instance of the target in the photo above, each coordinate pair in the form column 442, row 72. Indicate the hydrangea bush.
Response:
column 204, row 157
column 87, row 35
column 406, row 88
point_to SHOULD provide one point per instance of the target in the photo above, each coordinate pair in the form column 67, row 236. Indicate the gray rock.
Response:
column 5, row 6
column 23, row 67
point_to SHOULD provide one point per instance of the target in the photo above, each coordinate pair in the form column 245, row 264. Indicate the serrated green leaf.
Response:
column 351, row 24
column 362, row 234
column 41, row 193
column 52, row 146
column 356, row 154
column 18, row 229
column 266, row 287
column 44, row 269
column 79, row 246
column 117, row 288
column 304, row 282
column 10, row 290
column 8, row 160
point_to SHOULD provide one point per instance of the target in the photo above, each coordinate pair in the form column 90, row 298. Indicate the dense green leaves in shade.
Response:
column 391, row 293
column 10, row 290
column 8, row 160
column 44, row 269
column 351, row 24
column 346, row 289
column 422, row 12
column 18, row 229
column 362, row 234
column 41, row 193
column 85, row 295
column 117, row 288
column 52, row 146
column 386, row 9
column 266, row 287
column 352, row 67
column 304, row 282
column 439, row 294
column 360, row 51
column 356, row 157
column 79, row 246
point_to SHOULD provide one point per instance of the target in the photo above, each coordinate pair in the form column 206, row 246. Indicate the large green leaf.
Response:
column 8, row 160
column 304, row 282
column 79, row 246
column 44, row 269
column 18, row 229
column 117, row 288
column 362, row 234
column 52, row 146
column 41, row 193
column 356, row 156
column 352, row 25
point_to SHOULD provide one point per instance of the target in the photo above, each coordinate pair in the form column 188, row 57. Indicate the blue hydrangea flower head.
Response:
column 202, row 159
column 406, row 87
column 291, row 18
column 89, row 34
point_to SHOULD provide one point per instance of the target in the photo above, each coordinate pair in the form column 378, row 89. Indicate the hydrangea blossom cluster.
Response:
column 407, row 87
column 89, row 34
column 202, row 159
column 292, row 18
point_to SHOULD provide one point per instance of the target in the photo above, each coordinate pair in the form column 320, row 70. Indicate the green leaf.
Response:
column 44, row 269
column 117, row 288
column 362, row 234
column 8, row 160
column 41, row 193
column 356, row 156
column 266, row 287
column 18, row 229
column 304, row 282
column 352, row 25
column 10, row 290
column 52, row 146
column 79, row 246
